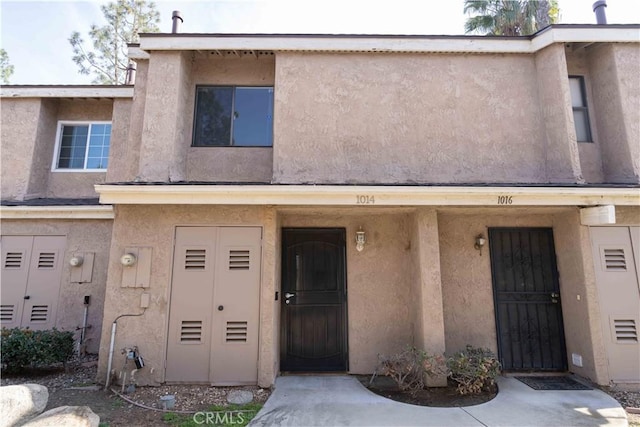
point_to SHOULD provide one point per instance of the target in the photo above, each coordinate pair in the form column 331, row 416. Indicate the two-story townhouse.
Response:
column 55, row 234
column 288, row 203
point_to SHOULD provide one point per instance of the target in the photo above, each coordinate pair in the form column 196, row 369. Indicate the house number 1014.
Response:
column 365, row 200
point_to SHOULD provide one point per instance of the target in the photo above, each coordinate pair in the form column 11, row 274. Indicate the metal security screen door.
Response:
column 313, row 333
column 527, row 299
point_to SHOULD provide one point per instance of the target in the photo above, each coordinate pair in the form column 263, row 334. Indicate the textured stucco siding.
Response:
column 73, row 184
column 590, row 153
column 19, row 130
column 154, row 227
column 379, row 297
column 126, row 131
column 167, row 124
column 407, row 118
column 467, row 287
column 558, row 135
column 82, row 236
column 616, row 97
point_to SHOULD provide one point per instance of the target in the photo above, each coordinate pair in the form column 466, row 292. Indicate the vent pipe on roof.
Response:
column 176, row 24
column 601, row 15
column 131, row 74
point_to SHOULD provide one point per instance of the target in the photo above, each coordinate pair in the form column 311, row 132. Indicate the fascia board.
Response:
column 66, row 92
column 309, row 195
column 56, row 212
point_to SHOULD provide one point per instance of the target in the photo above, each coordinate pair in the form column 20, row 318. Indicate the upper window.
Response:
column 83, row 146
column 231, row 115
column 580, row 110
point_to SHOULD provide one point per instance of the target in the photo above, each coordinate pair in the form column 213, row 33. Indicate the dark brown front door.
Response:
column 313, row 333
column 527, row 299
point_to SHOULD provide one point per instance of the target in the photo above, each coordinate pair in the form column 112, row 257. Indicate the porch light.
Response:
column 360, row 240
column 480, row 242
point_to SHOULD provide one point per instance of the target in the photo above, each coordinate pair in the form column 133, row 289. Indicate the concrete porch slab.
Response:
column 343, row 401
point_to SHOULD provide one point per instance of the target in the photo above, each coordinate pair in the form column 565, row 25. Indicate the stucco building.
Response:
column 272, row 203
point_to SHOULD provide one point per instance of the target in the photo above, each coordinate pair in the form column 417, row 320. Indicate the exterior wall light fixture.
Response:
column 361, row 239
column 76, row 261
column 128, row 260
column 480, row 242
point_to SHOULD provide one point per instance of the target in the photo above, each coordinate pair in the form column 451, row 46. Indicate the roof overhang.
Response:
column 56, row 212
column 355, row 195
column 66, row 91
column 390, row 44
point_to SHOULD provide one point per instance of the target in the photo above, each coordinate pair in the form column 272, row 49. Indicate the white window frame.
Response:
column 584, row 107
column 56, row 152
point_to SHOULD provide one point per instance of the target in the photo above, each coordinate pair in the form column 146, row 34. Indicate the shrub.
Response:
column 410, row 368
column 23, row 348
column 473, row 369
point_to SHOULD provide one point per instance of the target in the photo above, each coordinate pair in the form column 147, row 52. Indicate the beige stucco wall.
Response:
column 468, row 290
column 126, row 132
column 231, row 164
column 559, row 135
column 82, row 236
column 19, row 133
column 74, row 184
column 120, row 152
column 29, row 127
column 590, row 153
column 579, row 296
column 408, row 118
column 627, row 215
column 167, row 125
column 154, row 226
column 616, row 98
column 379, row 279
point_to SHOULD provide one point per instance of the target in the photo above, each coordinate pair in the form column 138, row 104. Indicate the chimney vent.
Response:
column 177, row 19
column 601, row 15
column 131, row 74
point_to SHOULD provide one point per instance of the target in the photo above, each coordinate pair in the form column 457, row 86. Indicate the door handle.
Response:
column 27, row 297
column 554, row 297
column 288, row 295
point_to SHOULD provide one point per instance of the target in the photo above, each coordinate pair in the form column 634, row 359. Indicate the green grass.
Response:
column 216, row 415
column 117, row 403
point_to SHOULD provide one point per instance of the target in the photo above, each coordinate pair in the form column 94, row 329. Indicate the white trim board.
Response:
column 381, row 43
column 327, row 195
column 56, row 212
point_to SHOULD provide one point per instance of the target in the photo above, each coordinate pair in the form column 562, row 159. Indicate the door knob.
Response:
column 288, row 295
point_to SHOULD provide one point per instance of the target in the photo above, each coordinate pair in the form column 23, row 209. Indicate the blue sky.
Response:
column 35, row 34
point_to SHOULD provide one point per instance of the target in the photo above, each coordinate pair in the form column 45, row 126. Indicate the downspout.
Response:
column 112, row 344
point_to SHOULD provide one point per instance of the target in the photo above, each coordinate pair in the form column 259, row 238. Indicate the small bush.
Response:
column 25, row 348
column 410, row 368
column 473, row 369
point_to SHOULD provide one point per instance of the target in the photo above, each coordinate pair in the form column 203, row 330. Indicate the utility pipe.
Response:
column 112, row 344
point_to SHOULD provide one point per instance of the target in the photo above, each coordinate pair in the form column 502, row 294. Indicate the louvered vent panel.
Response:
column 39, row 313
column 626, row 331
column 6, row 313
column 194, row 259
column 46, row 259
column 13, row 260
column 614, row 260
column 191, row 331
column 238, row 260
column 236, row 332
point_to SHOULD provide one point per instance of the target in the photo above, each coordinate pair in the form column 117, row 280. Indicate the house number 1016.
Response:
column 505, row 200
column 365, row 200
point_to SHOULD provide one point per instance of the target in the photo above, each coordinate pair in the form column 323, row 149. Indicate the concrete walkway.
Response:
column 342, row 401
